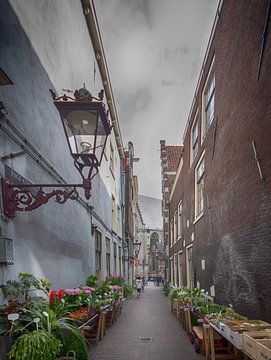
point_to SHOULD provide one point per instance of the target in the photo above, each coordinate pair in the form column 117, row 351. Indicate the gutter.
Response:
column 95, row 35
column 215, row 23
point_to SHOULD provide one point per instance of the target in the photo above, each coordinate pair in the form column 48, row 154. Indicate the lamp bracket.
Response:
column 27, row 197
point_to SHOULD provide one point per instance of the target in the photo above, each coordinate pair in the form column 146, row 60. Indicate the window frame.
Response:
column 175, row 226
column 180, row 220
column 98, row 253
column 171, row 232
column 210, row 77
column 115, row 257
column 198, row 214
column 112, row 160
column 193, row 144
column 108, row 255
column 180, row 268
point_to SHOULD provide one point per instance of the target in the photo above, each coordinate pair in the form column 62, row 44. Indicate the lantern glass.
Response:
column 85, row 132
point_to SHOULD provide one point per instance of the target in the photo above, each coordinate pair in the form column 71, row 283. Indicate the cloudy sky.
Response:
column 154, row 50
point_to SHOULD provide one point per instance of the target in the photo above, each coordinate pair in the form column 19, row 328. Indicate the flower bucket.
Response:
column 69, row 356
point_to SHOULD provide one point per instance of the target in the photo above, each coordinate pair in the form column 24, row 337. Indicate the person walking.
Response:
column 138, row 283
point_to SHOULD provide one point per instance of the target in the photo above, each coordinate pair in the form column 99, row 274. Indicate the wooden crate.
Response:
column 263, row 349
column 248, row 325
column 252, row 338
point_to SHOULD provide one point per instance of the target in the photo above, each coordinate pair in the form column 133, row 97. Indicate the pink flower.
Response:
column 114, row 288
column 72, row 292
column 88, row 289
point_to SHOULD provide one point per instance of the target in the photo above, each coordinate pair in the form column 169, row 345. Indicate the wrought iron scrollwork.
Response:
column 21, row 199
column 25, row 200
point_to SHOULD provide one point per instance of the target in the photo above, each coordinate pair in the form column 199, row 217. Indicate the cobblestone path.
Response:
column 148, row 316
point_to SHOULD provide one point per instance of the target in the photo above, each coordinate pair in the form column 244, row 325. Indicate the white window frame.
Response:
column 204, row 125
column 176, row 266
column 189, row 267
column 194, row 145
column 120, row 262
column 180, row 219
column 171, row 232
column 114, row 214
column 199, row 212
column 108, row 255
column 175, row 226
column 180, row 268
column 112, row 160
column 171, row 270
column 99, row 253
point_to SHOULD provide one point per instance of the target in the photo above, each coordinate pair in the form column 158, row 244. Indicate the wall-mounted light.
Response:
column 86, row 127
column 137, row 246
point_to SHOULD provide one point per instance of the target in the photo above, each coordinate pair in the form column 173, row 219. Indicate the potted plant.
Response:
column 36, row 345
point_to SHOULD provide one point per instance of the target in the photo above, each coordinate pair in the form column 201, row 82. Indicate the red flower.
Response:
column 52, row 295
column 61, row 294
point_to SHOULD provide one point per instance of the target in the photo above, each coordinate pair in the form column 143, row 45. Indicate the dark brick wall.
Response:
column 234, row 234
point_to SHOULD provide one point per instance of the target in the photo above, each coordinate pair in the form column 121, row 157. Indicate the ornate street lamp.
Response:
column 137, row 246
column 86, row 127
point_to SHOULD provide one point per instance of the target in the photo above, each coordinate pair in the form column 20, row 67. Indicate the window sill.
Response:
column 198, row 218
column 179, row 238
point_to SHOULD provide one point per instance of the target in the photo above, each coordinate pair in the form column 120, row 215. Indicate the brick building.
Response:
column 220, row 205
column 130, row 197
column 170, row 156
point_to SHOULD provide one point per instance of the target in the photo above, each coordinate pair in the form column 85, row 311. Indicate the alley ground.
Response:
column 148, row 316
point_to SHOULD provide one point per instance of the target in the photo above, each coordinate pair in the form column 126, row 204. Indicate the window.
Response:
column 199, row 188
column 176, row 272
column 171, row 232
column 98, row 253
column 4, row 78
column 180, row 271
column 171, row 270
column 108, row 256
column 194, row 138
column 120, row 260
column 208, row 100
column 114, row 215
column 189, row 265
column 175, row 226
column 112, row 159
column 118, row 220
column 115, row 259
column 180, row 219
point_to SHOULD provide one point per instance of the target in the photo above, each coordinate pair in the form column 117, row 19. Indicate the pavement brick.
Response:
column 148, row 316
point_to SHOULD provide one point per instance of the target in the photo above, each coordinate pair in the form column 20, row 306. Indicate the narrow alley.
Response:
column 148, row 317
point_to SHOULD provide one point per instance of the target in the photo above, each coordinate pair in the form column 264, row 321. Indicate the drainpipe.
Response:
column 95, row 35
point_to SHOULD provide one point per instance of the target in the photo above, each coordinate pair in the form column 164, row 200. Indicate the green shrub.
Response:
column 127, row 290
column 92, row 281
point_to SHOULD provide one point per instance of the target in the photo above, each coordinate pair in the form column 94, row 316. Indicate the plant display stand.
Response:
column 5, row 346
column 212, row 353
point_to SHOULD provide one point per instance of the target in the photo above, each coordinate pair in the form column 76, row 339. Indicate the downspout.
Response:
column 95, row 35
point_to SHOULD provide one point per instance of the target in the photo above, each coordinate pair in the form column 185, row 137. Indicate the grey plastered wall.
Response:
column 55, row 240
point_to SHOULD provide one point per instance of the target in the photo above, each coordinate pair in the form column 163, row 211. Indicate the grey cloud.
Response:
column 168, row 82
column 182, row 49
column 135, row 102
column 141, row 6
column 154, row 51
